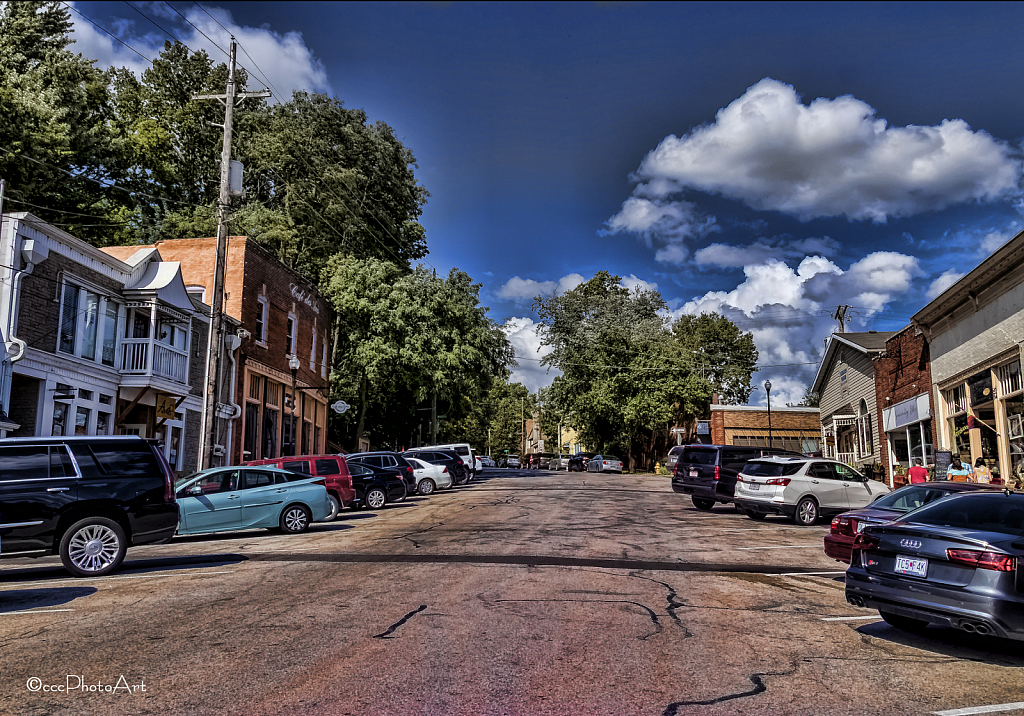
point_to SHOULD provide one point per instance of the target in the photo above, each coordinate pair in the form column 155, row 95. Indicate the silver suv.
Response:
column 803, row 489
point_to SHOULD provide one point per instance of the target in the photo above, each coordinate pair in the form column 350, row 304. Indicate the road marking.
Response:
column 981, row 709
column 109, row 579
column 37, row 611
column 786, row 546
column 845, row 619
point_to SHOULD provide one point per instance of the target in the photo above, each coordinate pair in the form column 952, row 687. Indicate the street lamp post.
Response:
column 294, row 364
column 768, row 391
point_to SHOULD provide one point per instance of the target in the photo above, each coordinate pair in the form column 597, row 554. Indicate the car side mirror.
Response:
column 195, row 490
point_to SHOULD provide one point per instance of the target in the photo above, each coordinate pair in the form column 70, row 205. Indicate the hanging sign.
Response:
column 165, row 405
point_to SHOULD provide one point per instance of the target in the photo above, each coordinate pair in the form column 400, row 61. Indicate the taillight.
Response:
column 982, row 560
column 843, row 525
column 718, row 472
column 865, row 542
column 319, row 482
column 444, row 469
column 778, row 481
column 168, row 476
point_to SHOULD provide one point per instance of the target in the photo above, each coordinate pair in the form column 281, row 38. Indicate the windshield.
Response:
column 179, row 483
column 976, row 512
column 611, row 458
column 698, row 456
column 910, row 498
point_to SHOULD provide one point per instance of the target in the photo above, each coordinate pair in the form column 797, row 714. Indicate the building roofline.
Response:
column 759, row 409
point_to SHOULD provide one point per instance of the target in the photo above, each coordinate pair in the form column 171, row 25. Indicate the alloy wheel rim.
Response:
column 807, row 512
column 295, row 518
column 375, row 499
column 93, row 548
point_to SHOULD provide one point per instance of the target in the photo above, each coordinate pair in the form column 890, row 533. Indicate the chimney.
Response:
column 714, row 398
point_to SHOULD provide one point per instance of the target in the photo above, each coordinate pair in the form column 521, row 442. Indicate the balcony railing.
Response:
column 849, row 458
column 141, row 356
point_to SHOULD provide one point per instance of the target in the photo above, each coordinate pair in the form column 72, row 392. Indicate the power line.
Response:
column 160, row 27
column 108, row 32
column 62, row 211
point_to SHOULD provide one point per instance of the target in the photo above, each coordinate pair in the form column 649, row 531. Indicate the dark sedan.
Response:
column 845, row 527
column 375, row 486
column 578, row 462
column 956, row 563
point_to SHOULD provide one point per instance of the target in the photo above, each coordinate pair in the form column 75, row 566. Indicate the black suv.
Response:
column 85, row 498
column 708, row 472
column 390, row 462
column 449, row 458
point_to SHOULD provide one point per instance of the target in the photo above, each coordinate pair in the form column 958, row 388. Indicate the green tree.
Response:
column 408, row 337
column 55, row 143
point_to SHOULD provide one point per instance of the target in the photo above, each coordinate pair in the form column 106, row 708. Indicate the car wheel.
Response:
column 902, row 622
column 702, row 504
column 425, row 487
column 756, row 515
column 334, row 508
column 295, row 519
column 375, row 498
column 806, row 512
column 93, row 547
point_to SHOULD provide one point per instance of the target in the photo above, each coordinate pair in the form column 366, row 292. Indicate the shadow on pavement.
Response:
column 950, row 642
column 129, row 567
column 21, row 600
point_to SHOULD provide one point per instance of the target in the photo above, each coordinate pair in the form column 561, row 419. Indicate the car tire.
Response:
column 295, row 519
column 754, row 515
column 425, row 487
column 375, row 499
column 702, row 504
column 806, row 512
column 93, row 547
column 902, row 622
column 335, row 508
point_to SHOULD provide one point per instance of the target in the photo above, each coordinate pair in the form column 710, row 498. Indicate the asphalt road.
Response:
column 522, row 593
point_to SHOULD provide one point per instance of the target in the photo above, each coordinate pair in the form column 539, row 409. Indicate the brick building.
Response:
column 903, row 386
column 98, row 345
column 281, row 314
column 797, row 429
column 975, row 332
column 845, row 383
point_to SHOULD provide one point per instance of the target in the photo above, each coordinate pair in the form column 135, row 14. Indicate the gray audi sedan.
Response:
column 957, row 562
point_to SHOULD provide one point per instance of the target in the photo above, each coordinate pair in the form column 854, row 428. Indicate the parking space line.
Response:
column 994, row 708
column 785, row 546
column 107, row 579
column 849, row 619
column 36, row 611
column 808, row 574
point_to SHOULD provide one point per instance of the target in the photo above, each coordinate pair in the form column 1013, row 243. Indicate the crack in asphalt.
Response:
column 650, row 612
column 534, row 560
column 673, row 604
column 391, row 629
column 408, row 535
column 756, row 679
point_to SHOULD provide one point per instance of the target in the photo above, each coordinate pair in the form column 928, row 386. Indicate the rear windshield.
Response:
column 611, row 457
column 771, row 469
column 119, row 458
column 910, row 498
column 699, row 456
column 982, row 513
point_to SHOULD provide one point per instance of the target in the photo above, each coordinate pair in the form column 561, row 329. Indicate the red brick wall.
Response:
column 902, row 372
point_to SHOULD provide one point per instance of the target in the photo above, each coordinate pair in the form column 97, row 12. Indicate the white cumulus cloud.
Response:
column 832, row 157
column 730, row 256
column 284, row 57
column 944, row 281
column 631, row 282
column 524, row 290
column 522, row 334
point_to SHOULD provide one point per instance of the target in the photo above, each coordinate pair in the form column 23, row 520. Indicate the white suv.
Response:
column 802, row 489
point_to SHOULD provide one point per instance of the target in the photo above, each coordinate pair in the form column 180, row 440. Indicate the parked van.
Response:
column 332, row 468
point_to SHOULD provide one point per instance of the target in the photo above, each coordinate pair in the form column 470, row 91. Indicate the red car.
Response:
column 845, row 527
column 332, row 468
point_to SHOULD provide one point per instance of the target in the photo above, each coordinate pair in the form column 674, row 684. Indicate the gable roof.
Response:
column 870, row 343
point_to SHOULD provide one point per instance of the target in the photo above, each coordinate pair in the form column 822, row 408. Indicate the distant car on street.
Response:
column 486, row 461
column 604, row 463
column 512, row 461
column 578, row 462
column 846, row 527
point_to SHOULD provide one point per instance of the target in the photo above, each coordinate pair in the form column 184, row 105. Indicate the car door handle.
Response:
column 57, row 489
column 233, row 497
column 814, row 482
column 283, row 489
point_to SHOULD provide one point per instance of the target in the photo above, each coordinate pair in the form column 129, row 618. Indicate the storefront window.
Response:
column 269, row 433
column 172, row 454
column 82, row 421
column 1015, row 434
column 60, row 418
column 103, row 423
column 961, row 440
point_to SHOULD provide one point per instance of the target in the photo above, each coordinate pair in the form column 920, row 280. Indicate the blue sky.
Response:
column 769, row 161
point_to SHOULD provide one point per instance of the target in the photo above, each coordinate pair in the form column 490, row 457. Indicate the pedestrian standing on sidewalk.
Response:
column 982, row 473
column 917, row 473
column 958, row 471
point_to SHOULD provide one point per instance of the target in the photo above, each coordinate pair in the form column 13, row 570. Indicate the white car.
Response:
column 486, row 461
column 604, row 463
column 803, row 489
column 512, row 461
column 429, row 477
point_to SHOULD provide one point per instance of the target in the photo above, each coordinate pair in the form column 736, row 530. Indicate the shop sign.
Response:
column 907, row 412
column 303, row 296
column 703, row 427
column 830, row 441
column 165, row 405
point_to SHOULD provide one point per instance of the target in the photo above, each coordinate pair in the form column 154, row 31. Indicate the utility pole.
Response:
column 208, row 438
column 840, row 315
column 433, row 421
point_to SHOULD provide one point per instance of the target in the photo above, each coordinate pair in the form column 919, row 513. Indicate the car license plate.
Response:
column 754, row 486
column 693, row 473
column 913, row 566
